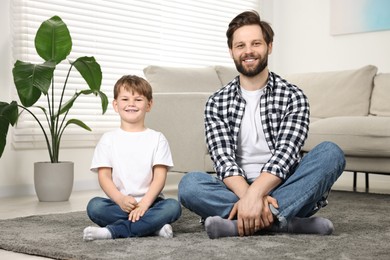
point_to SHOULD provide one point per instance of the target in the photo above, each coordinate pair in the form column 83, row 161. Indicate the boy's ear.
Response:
column 150, row 104
column 115, row 105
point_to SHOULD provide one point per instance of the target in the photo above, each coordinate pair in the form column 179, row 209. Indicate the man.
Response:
column 255, row 128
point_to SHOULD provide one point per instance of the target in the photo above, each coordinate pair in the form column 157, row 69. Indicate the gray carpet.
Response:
column 362, row 223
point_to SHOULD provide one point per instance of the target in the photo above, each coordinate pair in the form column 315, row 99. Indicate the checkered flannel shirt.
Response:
column 284, row 112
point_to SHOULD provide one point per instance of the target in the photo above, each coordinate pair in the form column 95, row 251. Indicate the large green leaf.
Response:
column 104, row 99
column 9, row 112
column 79, row 123
column 68, row 105
column 8, row 115
column 90, row 70
column 53, row 40
column 31, row 80
column 4, row 124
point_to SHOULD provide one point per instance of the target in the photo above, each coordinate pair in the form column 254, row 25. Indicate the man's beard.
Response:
column 251, row 72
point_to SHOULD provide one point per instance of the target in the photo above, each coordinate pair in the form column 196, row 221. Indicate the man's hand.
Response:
column 249, row 210
column 252, row 209
column 253, row 215
column 267, row 219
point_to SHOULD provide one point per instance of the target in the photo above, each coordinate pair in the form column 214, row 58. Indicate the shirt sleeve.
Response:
column 220, row 142
column 163, row 154
column 290, row 132
column 102, row 155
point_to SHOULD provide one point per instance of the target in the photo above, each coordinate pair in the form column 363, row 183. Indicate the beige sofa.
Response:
column 179, row 97
column 350, row 108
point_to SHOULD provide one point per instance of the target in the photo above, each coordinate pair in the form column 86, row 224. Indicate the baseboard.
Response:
column 28, row 190
column 16, row 191
column 378, row 184
column 173, row 180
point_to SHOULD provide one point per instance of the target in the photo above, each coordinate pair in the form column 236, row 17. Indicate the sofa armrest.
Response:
column 179, row 116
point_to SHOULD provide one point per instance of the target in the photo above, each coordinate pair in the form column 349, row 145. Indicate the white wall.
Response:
column 303, row 43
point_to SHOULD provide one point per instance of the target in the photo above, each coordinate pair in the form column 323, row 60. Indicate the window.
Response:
column 124, row 36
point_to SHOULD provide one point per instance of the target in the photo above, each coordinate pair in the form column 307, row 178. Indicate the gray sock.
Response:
column 312, row 225
column 218, row 227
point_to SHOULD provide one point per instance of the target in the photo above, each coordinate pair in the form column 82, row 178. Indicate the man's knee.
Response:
column 334, row 153
column 334, row 158
column 188, row 185
column 191, row 186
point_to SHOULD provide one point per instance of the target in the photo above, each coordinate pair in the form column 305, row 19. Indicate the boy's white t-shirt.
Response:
column 132, row 155
column 253, row 151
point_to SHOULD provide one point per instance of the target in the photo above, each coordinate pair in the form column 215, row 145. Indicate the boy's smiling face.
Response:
column 132, row 108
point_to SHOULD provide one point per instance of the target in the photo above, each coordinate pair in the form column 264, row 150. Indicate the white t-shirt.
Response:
column 132, row 155
column 253, row 151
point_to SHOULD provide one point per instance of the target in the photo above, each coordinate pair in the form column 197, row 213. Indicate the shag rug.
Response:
column 361, row 220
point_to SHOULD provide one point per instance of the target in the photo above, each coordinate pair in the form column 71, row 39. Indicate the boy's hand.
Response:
column 137, row 213
column 128, row 203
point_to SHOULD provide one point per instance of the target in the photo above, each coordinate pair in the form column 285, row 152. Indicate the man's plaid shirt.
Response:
column 284, row 112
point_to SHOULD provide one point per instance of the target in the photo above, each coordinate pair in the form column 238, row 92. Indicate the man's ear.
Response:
column 270, row 48
column 231, row 53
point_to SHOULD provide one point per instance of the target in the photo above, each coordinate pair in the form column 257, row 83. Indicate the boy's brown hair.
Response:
column 133, row 84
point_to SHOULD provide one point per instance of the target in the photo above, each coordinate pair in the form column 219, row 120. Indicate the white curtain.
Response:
column 124, row 36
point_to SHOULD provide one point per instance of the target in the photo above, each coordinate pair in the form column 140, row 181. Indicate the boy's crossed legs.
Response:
column 116, row 224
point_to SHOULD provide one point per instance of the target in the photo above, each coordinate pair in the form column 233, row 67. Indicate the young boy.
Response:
column 132, row 164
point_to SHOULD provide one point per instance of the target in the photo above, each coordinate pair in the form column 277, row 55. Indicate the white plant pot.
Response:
column 53, row 181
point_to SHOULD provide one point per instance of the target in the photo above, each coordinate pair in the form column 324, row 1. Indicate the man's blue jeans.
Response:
column 300, row 195
column 106, row 213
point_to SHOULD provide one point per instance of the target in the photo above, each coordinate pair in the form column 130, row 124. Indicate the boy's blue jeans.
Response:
column 106, row 213
column 300, row 195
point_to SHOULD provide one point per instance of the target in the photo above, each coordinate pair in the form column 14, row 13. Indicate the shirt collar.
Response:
column 269, row 87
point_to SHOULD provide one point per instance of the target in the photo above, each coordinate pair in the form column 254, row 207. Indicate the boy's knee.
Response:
column 174, row 207
column 93, row 207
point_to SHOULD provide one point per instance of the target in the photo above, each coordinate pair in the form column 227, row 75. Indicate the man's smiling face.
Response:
column 249, row 50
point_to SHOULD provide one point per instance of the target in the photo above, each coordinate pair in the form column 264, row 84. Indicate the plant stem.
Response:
column 58, row 125
column 43, row 130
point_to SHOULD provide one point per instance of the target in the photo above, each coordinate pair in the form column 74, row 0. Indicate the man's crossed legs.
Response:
column 299, row 197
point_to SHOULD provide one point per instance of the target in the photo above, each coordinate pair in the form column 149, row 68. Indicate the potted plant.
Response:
column 53, row 43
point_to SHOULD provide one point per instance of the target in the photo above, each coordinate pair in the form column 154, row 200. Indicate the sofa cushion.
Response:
column 175, row 79
column 367, row 136
column 380, row 99
column 226, row 74
column 337, row 93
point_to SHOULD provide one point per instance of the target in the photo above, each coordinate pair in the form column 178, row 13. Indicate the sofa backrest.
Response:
column 226, row 73
column 178, row 80
column 380, row 99
column 337, row 93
